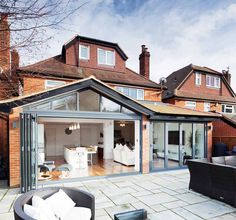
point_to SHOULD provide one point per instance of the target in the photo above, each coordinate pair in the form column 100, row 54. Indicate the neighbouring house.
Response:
column 83, row 113
column 207, row 90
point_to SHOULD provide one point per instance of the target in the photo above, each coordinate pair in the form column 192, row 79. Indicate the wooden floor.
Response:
column 100, row 167
column 159, row 163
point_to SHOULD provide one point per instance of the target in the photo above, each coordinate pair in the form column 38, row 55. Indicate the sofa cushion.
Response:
column 230, row 160
column 119, row 147
column 77, row 213
column 218, row 160
column 61, row 203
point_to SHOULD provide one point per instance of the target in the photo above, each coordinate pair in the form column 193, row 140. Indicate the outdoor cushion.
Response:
column 230, row 160
column 45, row 210
column 31, row 211
column 78, row 213
column 218, row 160
column 61, row 203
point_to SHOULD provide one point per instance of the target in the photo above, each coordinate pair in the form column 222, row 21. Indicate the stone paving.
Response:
column 164, row 195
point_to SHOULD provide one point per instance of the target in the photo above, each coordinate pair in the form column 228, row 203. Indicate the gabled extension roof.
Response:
column 97, row 42
column 177, row 78
column 56, row 67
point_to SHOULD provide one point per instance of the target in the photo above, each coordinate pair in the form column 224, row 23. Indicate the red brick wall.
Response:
column 223, row 132
column 199, row 104
column 189, row 86
column 72, row 55
column 145, row 145
column 14, row 148
column 152, row 95
column 36, row 84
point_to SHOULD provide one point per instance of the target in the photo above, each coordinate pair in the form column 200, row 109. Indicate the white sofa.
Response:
column 123, row 155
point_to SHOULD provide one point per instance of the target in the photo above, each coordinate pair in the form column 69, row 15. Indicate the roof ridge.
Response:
column 142, row 76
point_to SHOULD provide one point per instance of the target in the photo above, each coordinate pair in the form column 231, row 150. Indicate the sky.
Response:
column 176, row 32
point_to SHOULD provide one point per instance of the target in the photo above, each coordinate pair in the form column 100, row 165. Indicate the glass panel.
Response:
column 109, row 106
column 110, row 57
column 126, row 91
column 44, row 106
column 53, row 83
column 198, row 140
column 186, row 139
column 89, row 101
column 158, row 154
column 101, row 56
column 127, row 111
column 140, row 94
column 173, row 144
column 84, row 52
column 66, row 103
column 133, row 93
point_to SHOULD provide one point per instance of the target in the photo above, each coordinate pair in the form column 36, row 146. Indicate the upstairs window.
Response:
column 132, row 92
column 53, row 83
column 212, row 81
column 227, row 108
column 198, row 79
column 84, row 52
column 191, row 105
column 207, row 107
column 106, row 57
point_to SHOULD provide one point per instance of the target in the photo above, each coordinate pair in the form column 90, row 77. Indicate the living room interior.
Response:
column 73, row 148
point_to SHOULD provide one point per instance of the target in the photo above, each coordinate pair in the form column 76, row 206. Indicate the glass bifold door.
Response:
column 173, row 143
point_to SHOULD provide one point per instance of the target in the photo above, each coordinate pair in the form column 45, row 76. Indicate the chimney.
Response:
column 227, row 75
column 144, row 60
column 15, row 59
column 4, row 43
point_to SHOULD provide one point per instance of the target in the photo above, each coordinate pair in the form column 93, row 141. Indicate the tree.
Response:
column 29, row 23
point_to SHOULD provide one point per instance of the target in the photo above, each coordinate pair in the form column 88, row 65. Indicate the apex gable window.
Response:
column 198, row 79
column 213, row 81
column 84, row 52
column 207, row 107
column 227, row 108
column 106, row 57
column 190, row 104
column 53, row 83
column 134, row 93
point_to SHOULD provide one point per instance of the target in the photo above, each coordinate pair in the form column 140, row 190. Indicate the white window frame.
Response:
column 80, row 54
column 229, row 107
column 198, row 79
column 48, row 86
column 190, row 105
column 216, row 81
column 106, row 52
column 138, row 92
column 207, row 106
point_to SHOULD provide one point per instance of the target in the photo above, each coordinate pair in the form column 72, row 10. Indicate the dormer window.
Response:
column 106, row 57
column 198, row 79
column 84, row 52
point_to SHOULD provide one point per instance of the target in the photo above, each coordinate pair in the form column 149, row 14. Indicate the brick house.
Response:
column 205, row 89
column 84, row 112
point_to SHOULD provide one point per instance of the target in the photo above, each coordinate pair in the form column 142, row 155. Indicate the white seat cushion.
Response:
column 44, row 208
column 31, row 211
column 61, row 203
column 78, row 213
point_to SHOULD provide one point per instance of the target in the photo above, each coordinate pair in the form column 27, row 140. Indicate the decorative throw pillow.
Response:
column 44, row 208
column 31, row 211
column 77, row 213
column 61, row 203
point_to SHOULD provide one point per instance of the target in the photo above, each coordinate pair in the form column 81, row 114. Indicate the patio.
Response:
column 164, row 195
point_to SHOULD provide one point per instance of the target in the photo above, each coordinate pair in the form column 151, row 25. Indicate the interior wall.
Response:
column 127, row 132
column 56, row 139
